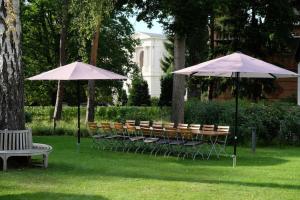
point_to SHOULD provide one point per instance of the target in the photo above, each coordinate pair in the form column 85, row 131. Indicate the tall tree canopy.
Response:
column 41, row 50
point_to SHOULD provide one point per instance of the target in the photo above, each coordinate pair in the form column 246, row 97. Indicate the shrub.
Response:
column 264, row 117
column 154, row 101
column 166, row 85
column 139, row 92
column 28, row 117
column 274, row 122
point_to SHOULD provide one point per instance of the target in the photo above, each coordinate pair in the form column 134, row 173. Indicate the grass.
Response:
column 271, row 173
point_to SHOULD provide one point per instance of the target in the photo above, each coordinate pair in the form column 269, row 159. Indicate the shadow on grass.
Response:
column 50, row 195
column 208, row 175
column 248, row 159
column 253, row 161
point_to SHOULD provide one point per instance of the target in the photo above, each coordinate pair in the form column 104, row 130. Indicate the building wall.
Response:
column 153, row 47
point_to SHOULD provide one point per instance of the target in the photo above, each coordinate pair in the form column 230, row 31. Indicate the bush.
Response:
column 154, row 101
column 272, row 121
column 166, row 85
column 139, row 92
column 28, row 117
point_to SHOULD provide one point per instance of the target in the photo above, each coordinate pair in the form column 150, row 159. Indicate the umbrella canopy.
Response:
column 237, row 65
column 78, row 71
column 229, row 65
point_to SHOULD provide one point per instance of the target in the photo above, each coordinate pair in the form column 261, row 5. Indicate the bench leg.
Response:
column 45, row 160
column 4, row 159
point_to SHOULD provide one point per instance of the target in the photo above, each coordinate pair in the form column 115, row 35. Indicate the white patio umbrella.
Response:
column 237, row 65
column 77, row 71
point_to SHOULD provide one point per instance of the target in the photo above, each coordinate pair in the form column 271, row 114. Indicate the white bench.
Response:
column 19, row 143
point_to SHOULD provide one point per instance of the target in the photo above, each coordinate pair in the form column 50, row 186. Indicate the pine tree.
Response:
column 139, row 92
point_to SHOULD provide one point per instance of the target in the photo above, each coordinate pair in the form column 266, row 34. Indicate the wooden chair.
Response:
column 192, row 146
column 106, row 135
column 223, row 132
column 195, row 126
column 134, row 138
column 145, row 124
column 97, row 137
column 157, row 125
column 119, row 135
column 209, row 131
column 130, row 122
column 106, row 128
column 182, row 125
column 118, row 128
column 174, row 141
column 149, row 138
column 169, row 125
column 161, row 145
column 92, row 128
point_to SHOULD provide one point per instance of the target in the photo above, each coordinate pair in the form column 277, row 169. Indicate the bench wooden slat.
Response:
column 1, row 141
column 5, row 140
column 18, row 141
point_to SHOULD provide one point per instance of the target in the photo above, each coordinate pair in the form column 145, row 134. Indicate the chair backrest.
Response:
column 195, row 129
column 223, row 130
column 118, row 127
column 195, row 126
column 157, row 125
column 208, row 128
column 186, row 133
column 92, row 127
column 15, row 140
column 171, row 132
column 182, row 125
column 130, row 122
column 145, row 124
column 130, row 129
column 105, row 126
column 146, row 131
column 169, row 125
column 196, row 132
column 158, row 132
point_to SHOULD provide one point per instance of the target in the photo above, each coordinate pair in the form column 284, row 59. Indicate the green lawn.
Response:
column 271, row 173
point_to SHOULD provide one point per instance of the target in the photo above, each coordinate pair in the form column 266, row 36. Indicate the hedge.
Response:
column 274, row 122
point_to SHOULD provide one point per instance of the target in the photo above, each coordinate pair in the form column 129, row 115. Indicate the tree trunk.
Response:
column 179, row 80
column 212, row 34
column 11, row 71
column 211, row 90
column 62, row 61
column 90, row 111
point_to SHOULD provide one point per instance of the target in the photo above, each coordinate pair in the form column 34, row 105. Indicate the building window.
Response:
column 141, row 59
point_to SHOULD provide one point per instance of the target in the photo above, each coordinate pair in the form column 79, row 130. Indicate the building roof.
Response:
column 144, row 35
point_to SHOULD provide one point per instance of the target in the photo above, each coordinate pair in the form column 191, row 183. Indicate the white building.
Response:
column 147, row 56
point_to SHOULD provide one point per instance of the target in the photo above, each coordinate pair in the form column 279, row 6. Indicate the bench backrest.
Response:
column 15, row 140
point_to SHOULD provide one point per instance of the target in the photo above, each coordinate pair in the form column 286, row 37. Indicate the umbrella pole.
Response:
column 78, row 112
column 236, row 127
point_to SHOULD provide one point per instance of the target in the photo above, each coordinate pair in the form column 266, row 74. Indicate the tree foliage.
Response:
column 41, row 29
column 166, row 82
column 139, row 92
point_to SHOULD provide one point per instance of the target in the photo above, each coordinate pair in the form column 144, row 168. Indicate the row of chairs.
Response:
column 184, row 140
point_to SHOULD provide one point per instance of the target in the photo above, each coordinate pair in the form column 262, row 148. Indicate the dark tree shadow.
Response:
column 211, row 176
column 50, row 195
